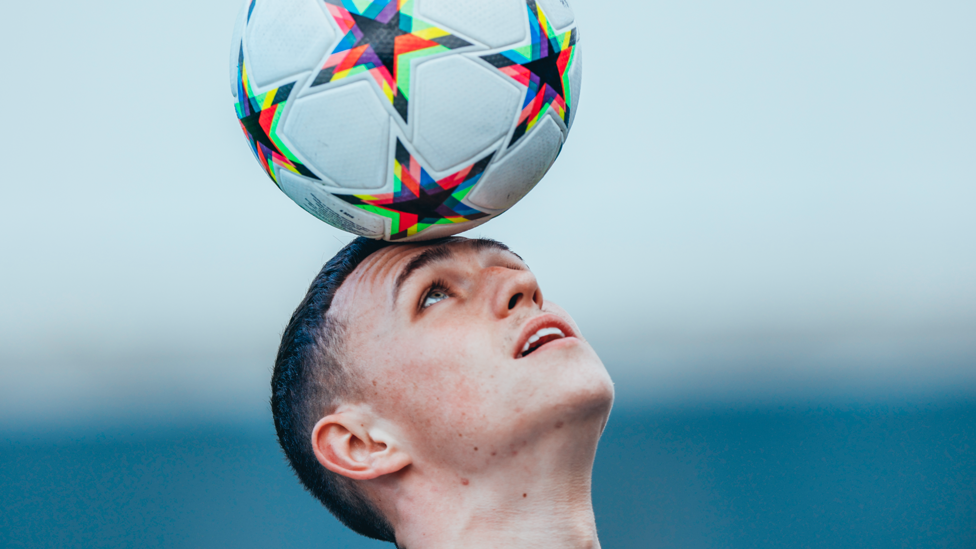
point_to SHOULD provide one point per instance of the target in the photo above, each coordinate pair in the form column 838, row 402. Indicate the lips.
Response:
column 541, row 330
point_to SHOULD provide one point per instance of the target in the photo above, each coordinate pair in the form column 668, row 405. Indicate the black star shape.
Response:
column 424, row 206
column 260, row 140
column 537, row 68
column 380, row 46
column 413, row 206
column 381, row 37
column 547, row 70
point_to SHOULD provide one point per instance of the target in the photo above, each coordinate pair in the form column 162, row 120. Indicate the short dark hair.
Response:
column 308, row 379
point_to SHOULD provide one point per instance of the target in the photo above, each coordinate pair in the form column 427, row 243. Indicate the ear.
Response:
column 347, row 444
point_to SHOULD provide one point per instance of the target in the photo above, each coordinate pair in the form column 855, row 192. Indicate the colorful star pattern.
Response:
column 542, row 67
column 259, row 115
column 418, row 201
column 382, row 38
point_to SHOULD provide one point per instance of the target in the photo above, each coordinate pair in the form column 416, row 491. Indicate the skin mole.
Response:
column 559, row 425
column 465, row 481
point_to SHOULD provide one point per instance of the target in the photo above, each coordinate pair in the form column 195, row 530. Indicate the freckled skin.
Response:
column 446, row 376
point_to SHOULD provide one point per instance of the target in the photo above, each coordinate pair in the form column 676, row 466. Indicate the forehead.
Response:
column 374, row 281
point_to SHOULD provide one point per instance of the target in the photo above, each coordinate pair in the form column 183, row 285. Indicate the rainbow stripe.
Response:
column 547, row 53
column 259, row 115
column 419, row 201
column 382, row 38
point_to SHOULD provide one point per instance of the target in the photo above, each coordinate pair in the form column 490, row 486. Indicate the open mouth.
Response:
column 540, row 331
column 540, row 338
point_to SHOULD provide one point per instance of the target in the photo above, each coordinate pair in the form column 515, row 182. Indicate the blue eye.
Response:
column 433, row 297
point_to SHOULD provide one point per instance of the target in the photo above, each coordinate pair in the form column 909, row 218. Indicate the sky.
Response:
column 754, row 195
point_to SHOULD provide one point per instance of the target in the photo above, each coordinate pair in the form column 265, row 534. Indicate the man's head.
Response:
column 440, row 357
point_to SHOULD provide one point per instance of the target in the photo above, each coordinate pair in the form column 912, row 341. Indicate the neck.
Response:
column 536, row 495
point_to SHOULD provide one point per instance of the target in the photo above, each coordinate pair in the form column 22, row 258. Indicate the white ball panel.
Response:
column 343, row 134
column 520, row 170
column 559, row 13
column 462, row 108
column 495, row 23
column 314, row 199
column 285, row 38
column 235, row 46
column 575, row 82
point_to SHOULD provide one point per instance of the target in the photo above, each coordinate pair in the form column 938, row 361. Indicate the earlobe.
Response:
column 344, row 445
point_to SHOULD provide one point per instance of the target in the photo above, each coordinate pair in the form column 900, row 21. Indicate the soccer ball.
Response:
column 406, row 119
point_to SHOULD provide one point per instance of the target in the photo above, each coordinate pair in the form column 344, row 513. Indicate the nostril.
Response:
column 514, row 301
column 537, row 298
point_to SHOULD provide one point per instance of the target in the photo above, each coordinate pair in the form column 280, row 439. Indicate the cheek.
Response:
column 429, row 368
column 443, row 383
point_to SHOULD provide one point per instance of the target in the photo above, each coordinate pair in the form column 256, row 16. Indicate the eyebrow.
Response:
column 443, row 251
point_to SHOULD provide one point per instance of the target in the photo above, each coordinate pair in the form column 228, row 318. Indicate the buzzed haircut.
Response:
column 308, row 380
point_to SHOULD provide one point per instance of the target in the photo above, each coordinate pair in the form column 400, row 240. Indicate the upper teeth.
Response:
column 541, row 334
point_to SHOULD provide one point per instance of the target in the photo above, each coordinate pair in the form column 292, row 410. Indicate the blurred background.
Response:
column 763, row 221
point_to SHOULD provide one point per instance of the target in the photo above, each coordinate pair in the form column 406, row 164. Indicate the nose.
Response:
column 515, row 290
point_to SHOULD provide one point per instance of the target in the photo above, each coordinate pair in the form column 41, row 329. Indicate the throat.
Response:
column 534, row 495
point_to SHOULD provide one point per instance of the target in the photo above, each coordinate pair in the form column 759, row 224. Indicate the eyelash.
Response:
column 441, row 284
column 436, row 285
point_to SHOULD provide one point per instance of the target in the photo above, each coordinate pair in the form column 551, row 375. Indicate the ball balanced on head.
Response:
column 406, row 119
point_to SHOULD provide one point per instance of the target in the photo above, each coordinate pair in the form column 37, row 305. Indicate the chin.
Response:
column 581, row 383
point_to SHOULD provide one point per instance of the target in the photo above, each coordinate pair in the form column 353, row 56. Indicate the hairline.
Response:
column 314, row 373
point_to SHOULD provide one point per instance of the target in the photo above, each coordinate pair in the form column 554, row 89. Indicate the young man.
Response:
column 429, row 396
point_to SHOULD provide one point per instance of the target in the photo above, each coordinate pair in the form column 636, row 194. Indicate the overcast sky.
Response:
column 745, row 181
